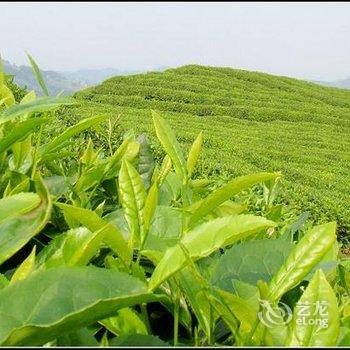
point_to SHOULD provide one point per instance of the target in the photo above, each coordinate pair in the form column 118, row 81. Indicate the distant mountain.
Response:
column 94, row 76
column 55, row 81
column 68, row 82
column 342, row 84
column 161, row 68
column 89, row 77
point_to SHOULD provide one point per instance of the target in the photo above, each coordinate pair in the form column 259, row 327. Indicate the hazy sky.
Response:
column 305, row 40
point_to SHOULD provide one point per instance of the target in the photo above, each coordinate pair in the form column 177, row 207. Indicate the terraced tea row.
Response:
column 251, row 121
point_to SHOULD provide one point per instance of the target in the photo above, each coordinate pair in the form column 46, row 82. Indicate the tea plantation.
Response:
column 251, row 121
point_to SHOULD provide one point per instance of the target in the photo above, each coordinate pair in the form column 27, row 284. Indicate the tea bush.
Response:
column 251, row 122
column 106, row 246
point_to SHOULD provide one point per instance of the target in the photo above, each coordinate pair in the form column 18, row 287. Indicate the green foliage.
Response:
column 309, row 251
column 250, row 262
column 117, row 246
column 17, row 91
column 38, row 75
column 257, row 122
column 35, row 321
column 206, row 239
column 39, row 105
column 318, row 289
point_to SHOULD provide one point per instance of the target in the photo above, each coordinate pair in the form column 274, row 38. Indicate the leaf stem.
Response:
column 185, row 203
column 37, row 145
column 196, row 341
column 144, row 314
column 176, row 319
column 254, row 328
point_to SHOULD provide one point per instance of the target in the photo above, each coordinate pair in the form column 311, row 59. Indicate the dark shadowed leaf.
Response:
column 250, row 261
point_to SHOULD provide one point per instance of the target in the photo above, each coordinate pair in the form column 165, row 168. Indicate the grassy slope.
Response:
column 252, row 122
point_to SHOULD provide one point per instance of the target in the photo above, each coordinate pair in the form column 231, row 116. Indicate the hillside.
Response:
column 251, row 121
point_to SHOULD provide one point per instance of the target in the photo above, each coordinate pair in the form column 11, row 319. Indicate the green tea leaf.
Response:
column 229, row 208
column 165, row 229
column 344, row 337
column 306, row 254
column 6, row 96
column 226, row 192
column 132, row 195
column 146, row 163
column 232, row 308
column 126, row 321
column 104, row 340
column 82, row 337
column 60, row 300
column 93, row 222
column 197, row 297
column 23, row 186
column 41, row 104
column 18, row 204
column 164, row 170
column 170, row 145
column 319, row 324
column 38, row 75
column 74, row 248
column 3, row 281
column 20, row 132
column 113, row 164
column 90, row 178
column 58, row 185
column 17, row 231
column 70, row 132
column 132, row 151
column 250, row 261
column 26, row 268
column 21, row 159
column 150, row 207
column 204, row 240
column 29, row 97
column 170, row 190
column 194, row 153
column 89, row 156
